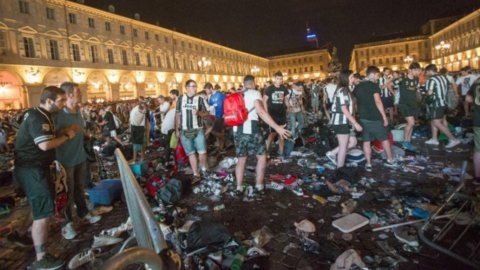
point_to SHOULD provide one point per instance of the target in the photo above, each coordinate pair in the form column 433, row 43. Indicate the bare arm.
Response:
column 268, row 119
column 265, row 102
column 54, row 143
column 350, row 118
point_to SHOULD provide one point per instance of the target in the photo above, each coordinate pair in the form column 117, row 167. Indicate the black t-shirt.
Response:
column 475, row 93
column 108, row 117
column 408, row 91
column 367, row 109
column 276, row 100
column 37, row 127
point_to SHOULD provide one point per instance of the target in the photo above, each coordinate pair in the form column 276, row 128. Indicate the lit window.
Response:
column 29, row 47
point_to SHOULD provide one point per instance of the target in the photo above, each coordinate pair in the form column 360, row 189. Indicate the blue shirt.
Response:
column 72, row 152
column 216, row 101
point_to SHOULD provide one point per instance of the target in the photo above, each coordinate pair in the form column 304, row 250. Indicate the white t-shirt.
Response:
column 330, row 90
column 466, row 82
column 169, row 122
column 250, row 96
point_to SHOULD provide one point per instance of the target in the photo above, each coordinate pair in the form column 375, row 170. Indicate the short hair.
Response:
column 278, row 74
column 386, row 68
column 50, row 92
column 431, row 67
column 174, row 92
column 443, row 71
column 208, row 86
column 357, row 76
column 466, row 69
column 161, row 96
column 68, row 87
column 189, row 81
column 217, row 87
column 414, row 65
column 298, row 83
column 372, row 69
column 248, row 78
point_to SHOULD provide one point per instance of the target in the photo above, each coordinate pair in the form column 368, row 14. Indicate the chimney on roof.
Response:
column 111, row 8
column 136, row 16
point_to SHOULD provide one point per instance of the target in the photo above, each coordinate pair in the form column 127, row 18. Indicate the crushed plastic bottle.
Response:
column 238, row 259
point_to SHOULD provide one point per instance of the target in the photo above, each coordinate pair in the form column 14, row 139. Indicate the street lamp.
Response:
column 255, row 70
column 408, row 59
column 442, row 47
column 204, row 65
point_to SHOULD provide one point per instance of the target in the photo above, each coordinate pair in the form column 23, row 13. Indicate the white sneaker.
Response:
column 81, row 259
column 92, row 219
column 274, row 186
column 105, row 240
column 331, row 157
column 452, row 143
column 432, row 142
column 68, row 232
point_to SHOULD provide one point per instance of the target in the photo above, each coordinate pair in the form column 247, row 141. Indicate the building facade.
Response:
column 451, row 42
column 303, row 65
column 47, row 42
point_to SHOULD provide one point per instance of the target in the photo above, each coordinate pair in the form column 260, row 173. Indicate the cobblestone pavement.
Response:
column 242, row 218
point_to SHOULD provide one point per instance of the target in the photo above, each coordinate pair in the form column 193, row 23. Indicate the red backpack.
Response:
column 235, row 112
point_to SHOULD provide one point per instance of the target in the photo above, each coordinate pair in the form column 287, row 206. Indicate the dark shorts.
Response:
column 38, row 186
column 408, row 110
column 374, row 130
column 279, row 120
column 437, row 112
column 387, row 102
column 218, row 125
column 138, row 134
column 249, row 144
column 341, row 129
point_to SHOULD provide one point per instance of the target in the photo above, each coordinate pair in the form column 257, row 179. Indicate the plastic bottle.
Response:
column 238, row 259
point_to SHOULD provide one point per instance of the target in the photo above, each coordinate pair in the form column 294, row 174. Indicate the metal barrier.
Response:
column 133, row 256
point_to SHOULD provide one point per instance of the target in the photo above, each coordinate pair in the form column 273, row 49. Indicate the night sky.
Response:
column 270, row 27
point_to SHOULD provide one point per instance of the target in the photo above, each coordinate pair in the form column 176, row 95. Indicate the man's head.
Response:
column 415, row 69
column 208, row 87
column 161, row 99
column 278, row 79
column 72, row 90
column 431, row 69
column 373, row 73
column 52, row 99
column 387, row 71
column 191, row 87
column 298, row 86
column 174, row 94
column 465, row 70
column 249, row 82
column 356, row 78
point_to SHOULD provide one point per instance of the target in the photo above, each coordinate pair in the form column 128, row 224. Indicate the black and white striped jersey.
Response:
column 185, row 106
column 341, row 98
column 439, row 85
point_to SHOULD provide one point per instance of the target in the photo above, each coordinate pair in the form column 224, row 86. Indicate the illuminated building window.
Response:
column 29, row 47
column 76, row 53
column 50, row 13
column 110, row 59
column 124, row 58
column 53, row 50
column 24, row 7
column 94, row 53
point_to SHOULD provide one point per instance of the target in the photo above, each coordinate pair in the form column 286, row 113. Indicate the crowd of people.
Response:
column 351, row 105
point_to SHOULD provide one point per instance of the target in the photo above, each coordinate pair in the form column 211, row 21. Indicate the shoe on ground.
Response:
column 105, row 240
column 258, row 192
column 452, row 143
column 331, row 157
column 92, row 219
column 238, row 194
column 274, row 186
column 196, row 179
column 81, row 258
column 68, row 232
column 290, row 180
column 297, row 191
column 48, row 262
column 408, row 146
column 391, row 164
column 407, row 235
column 368, row 168
column 432, row 142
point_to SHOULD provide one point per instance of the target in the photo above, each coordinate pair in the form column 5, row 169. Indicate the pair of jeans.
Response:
column 75, row 181
column 293, row 119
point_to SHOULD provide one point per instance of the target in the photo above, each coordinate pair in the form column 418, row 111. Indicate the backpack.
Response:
column 235, row 112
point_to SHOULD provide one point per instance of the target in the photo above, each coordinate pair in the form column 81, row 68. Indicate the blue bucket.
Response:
column 138, row 168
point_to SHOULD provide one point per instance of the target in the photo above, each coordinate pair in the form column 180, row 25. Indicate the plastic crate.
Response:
column 138, row 168
column 106, row 192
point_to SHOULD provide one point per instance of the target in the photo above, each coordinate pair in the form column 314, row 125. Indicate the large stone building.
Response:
column 302, row 65
column 47, row 42
column 460, row 47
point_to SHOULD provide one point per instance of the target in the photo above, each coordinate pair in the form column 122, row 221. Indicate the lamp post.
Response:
column 255, row 70
column 204, row 65
column 408, row 59
column 442, row 47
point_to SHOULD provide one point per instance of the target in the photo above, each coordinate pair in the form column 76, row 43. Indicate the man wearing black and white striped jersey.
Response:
column 190, row 109
column 386, row 87
column 436, row 87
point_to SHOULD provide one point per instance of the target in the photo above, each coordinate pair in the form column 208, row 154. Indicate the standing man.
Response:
column 137, row 124
column 275, row 102
column 436, row 87
column 473, row 96
column 34, row 154
column 407, row 103
column 163, row 106
column 465, row 80
column 190, row 110
column 315, row 94
column 174, row 97
column 386, row 87
column 73, row 157
column 296, row 109
column 216, row 102
column 248, row 138
column 372, row 117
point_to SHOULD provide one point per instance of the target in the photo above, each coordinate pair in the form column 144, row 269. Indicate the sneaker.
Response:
column 331, row 157
column 258, row 192
column 297, row 190
column 48, row 262
column 81, row 258
column 92, row 219
column 196, row 179
column 105, row 240
column 432, row 142
column 290, row 180
column 368, row 168
column 408, row 146
column 238, row 194
column 391, row 164
column 284, row 159
column 452, row 143
column 407, row 235
column 274, row 186
column 68, row 232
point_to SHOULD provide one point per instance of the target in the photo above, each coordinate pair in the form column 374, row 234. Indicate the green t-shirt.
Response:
column 475, row 93
column 367, row 109
column 72, row 152
column 408, row 91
